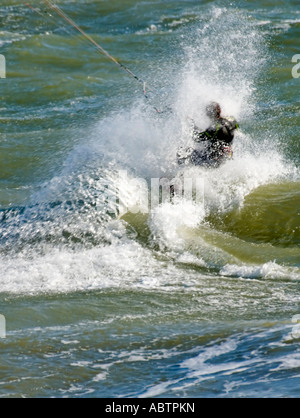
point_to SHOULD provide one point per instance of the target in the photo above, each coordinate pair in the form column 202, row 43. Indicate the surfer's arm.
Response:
column 199, row 136
column 233, row 125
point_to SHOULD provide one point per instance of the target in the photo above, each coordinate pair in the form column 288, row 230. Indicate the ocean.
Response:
column 105, row 292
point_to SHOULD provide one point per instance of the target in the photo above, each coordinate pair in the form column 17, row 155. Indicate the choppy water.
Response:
column 190, row 299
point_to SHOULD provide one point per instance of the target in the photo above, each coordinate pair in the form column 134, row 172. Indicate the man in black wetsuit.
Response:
column 218, row 139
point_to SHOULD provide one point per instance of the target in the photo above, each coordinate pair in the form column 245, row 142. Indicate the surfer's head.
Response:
column 213, row 110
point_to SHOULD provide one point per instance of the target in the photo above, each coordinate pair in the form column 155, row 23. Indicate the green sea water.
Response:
column 192, row 298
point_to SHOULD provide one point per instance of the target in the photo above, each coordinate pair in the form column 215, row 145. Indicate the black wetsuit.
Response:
column 218, row 139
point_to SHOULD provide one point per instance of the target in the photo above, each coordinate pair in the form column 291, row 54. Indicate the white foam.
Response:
column 269, row 270
column 66, row 271
column 156, row 390
column 122, row 264
column 288, row 362
column 100, row 377
column 11, row 37
column 203, row 367
column 196, row 364
column 168, row 219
